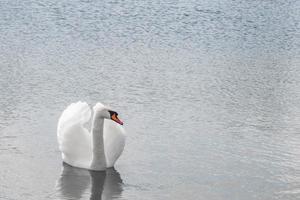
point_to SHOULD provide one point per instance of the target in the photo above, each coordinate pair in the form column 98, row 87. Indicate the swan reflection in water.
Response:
column 76, row 183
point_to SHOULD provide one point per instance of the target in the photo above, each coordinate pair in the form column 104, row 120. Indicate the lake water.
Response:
column 209, row 92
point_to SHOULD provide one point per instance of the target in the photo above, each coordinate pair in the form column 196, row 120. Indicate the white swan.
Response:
column 94, row 149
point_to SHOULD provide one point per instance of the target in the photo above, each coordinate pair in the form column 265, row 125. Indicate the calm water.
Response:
column 208, row 90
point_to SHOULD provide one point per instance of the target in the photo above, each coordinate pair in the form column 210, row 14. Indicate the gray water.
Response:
column 208, row 90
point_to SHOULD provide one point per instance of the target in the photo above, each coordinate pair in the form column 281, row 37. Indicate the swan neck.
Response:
column 99, row 160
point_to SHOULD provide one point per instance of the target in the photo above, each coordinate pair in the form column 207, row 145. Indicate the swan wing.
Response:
column 75, row 141
column 114, row 141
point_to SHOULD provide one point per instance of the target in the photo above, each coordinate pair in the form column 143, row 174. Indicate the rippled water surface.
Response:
column 209, row 92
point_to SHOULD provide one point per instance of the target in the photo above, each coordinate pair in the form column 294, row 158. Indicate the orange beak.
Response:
column 116, row 119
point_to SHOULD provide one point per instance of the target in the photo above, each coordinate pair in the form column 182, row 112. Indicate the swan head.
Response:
column 105, row 112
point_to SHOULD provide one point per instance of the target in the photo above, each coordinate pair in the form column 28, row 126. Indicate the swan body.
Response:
column 88, row 138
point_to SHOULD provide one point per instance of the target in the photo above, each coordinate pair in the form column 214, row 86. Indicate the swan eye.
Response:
column 112, row 113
